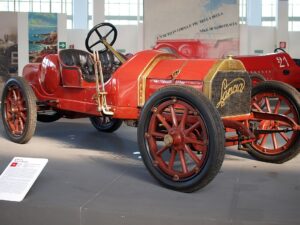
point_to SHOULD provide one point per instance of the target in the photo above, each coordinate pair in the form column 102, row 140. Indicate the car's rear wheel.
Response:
column 106, row 123
column 181, row 138
column 18, row 109
column 279, row 98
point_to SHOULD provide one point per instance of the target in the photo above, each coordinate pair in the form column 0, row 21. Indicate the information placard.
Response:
column 18, row 177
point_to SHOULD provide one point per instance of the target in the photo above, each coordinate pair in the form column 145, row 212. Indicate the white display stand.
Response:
column 19, row 176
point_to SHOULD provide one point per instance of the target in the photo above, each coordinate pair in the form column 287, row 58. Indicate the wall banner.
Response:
column 42, row 35
column 210, row 26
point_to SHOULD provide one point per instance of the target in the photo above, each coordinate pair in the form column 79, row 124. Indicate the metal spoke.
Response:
column 172, row 159
column 189, row 140
column 162, row 150
column 257, row 107
column 283, row 124
column 264, row 139
column 174, row 119
column 163, row 121
column 98, row 42
column 284, row 136
column 22, row 115
column 157, row 134
column 16, row 125
column 287, row 112
column 183, row 119
column 268, row 104
column 277, row 106
column 275, row 144
column 21, row 124
column 108, row 33
column 98, row 33
column 183, row 162
column 193, row 127
column 19, row 95
column 192, row 155
column 14, row 95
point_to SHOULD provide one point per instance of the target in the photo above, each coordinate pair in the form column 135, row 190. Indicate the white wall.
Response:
column 62, row 34
column 23, row 42
column 76, row 37
column 268, row 38
column 127, row 39
column 80, row 14
column 257, row 38
column 207, row 21
column 251, row 38
column 294, row 44
column 130, row 37
column 265, row 38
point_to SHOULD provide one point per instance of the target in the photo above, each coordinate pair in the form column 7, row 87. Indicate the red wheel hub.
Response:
column 177, row 137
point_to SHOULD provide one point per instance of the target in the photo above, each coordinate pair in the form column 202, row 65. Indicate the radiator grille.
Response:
column 231, row 93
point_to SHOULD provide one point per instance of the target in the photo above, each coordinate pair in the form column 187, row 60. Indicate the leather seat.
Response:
column 71, row 58
column 84, row 60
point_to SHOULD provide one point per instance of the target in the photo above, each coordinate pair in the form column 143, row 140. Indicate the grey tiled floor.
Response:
column 94, row 178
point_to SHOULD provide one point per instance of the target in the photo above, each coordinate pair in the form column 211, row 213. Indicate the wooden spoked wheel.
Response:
column 277, row 98
column 18, row 109
column 181, row 138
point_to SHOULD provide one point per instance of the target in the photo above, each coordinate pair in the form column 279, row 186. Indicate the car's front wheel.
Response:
column 181, row 138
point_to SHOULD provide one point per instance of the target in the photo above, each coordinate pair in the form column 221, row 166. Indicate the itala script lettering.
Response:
column 228, row 89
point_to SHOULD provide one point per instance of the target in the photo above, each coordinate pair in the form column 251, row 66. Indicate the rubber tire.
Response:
column 49, row 118
column 293, row 95
column 30, row 100
column 215, row 131
column 115, row 125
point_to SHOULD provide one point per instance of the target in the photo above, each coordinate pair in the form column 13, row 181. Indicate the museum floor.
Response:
column 94, row 178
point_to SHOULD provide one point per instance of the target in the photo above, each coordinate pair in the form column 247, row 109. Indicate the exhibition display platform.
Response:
column 99, row 178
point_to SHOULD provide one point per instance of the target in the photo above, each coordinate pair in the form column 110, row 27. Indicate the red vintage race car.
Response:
column 182, row 108
column 278, row 66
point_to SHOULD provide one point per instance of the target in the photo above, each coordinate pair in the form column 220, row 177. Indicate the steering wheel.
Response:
column 106, row 33
column 279, row 49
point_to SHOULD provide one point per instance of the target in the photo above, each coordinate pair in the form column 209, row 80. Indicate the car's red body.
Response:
column 65, row 88
column 275, row 66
